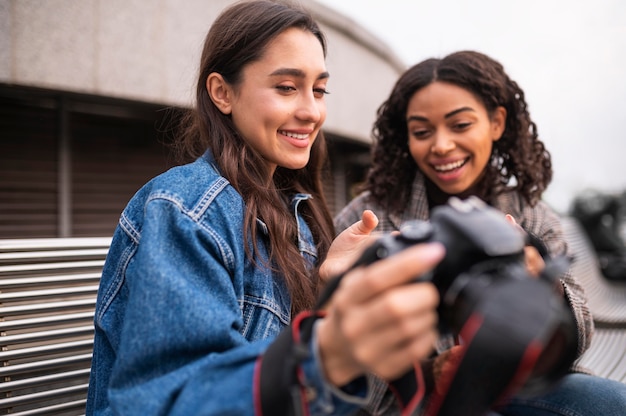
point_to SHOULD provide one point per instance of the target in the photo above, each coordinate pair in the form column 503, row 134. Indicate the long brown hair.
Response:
column 519, row 160
column 238, row 37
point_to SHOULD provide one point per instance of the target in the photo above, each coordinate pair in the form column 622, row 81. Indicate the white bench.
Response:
column 607, row 302
column 47, row 296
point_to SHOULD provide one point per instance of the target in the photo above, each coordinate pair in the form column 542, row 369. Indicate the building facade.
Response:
column 90, row 91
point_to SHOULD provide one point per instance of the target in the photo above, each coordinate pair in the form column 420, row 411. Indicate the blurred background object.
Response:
column 603, row 217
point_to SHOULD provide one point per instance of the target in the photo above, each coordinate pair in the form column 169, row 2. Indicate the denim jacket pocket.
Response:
column 262, row 318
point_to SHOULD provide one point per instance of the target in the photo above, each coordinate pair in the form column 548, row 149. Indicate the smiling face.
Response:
column 279, row 106
column 451, row 136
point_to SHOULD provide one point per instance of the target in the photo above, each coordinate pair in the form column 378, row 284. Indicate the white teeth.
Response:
column 295, row 135
column 449, row 166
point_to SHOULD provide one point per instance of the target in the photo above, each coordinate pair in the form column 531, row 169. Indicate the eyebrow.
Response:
column 294, row 72
column 448, row 115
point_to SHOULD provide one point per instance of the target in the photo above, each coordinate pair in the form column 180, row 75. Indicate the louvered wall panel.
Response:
column 28, row 168
column 111, row 159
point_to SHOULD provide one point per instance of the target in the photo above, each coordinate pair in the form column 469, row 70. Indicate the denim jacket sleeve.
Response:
column 179, row 348
column 171, row 337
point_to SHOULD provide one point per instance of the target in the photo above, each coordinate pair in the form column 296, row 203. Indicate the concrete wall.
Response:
column 148, row 50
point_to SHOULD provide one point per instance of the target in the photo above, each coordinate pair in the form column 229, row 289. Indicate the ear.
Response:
column 498, row 123
column 220, row 92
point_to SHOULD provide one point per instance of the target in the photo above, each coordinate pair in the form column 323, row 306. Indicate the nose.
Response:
column 442, row 144
column 310, row 109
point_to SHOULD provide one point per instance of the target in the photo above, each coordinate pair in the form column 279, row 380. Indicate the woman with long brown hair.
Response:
column 205, row 302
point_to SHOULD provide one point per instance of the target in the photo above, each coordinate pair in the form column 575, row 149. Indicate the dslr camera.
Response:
column 518, row 333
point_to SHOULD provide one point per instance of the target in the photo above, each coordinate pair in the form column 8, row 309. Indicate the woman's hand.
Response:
column 380, row 320
column 532, row 258
column 348, row 246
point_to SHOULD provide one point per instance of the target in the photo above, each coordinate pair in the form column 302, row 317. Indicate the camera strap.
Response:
column 279, row 388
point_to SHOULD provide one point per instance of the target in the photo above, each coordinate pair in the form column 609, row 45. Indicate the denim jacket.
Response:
column 183, row 314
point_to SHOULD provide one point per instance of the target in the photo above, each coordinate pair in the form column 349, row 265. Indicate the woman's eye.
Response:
column 462, row 125
column 419, row 134
column 320, row 92
column 285, row 88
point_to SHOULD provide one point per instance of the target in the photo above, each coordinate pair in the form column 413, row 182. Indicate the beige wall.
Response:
column 148, row 50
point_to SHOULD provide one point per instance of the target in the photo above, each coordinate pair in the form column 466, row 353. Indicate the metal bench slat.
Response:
column 35, row 295
column 60, row 266
column 59, row 255
column 46, row 321
column 44, row 365
column 71, row 279
column 51, row 335
column 47, row 307
column 44, row 395
column 56, row 409
column 31, row 382
column 50, row 349
column 31, row 244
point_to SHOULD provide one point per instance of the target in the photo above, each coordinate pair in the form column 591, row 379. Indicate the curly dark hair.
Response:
column 519, row 160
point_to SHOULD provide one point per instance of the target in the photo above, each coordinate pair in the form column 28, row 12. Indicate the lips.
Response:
column 297, row 140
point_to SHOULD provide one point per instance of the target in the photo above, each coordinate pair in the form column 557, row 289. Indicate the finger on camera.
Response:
column 407, row 308
column 513, row 222
column 533, row 260
column 399, row 269
column 393, row 325
column 398, row 361
column 401, row 331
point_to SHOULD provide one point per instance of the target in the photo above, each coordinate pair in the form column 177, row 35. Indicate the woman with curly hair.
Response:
column 459, row 126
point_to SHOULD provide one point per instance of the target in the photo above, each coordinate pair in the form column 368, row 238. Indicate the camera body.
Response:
column 489, row 300
column 478, row 241
column 480, row 245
